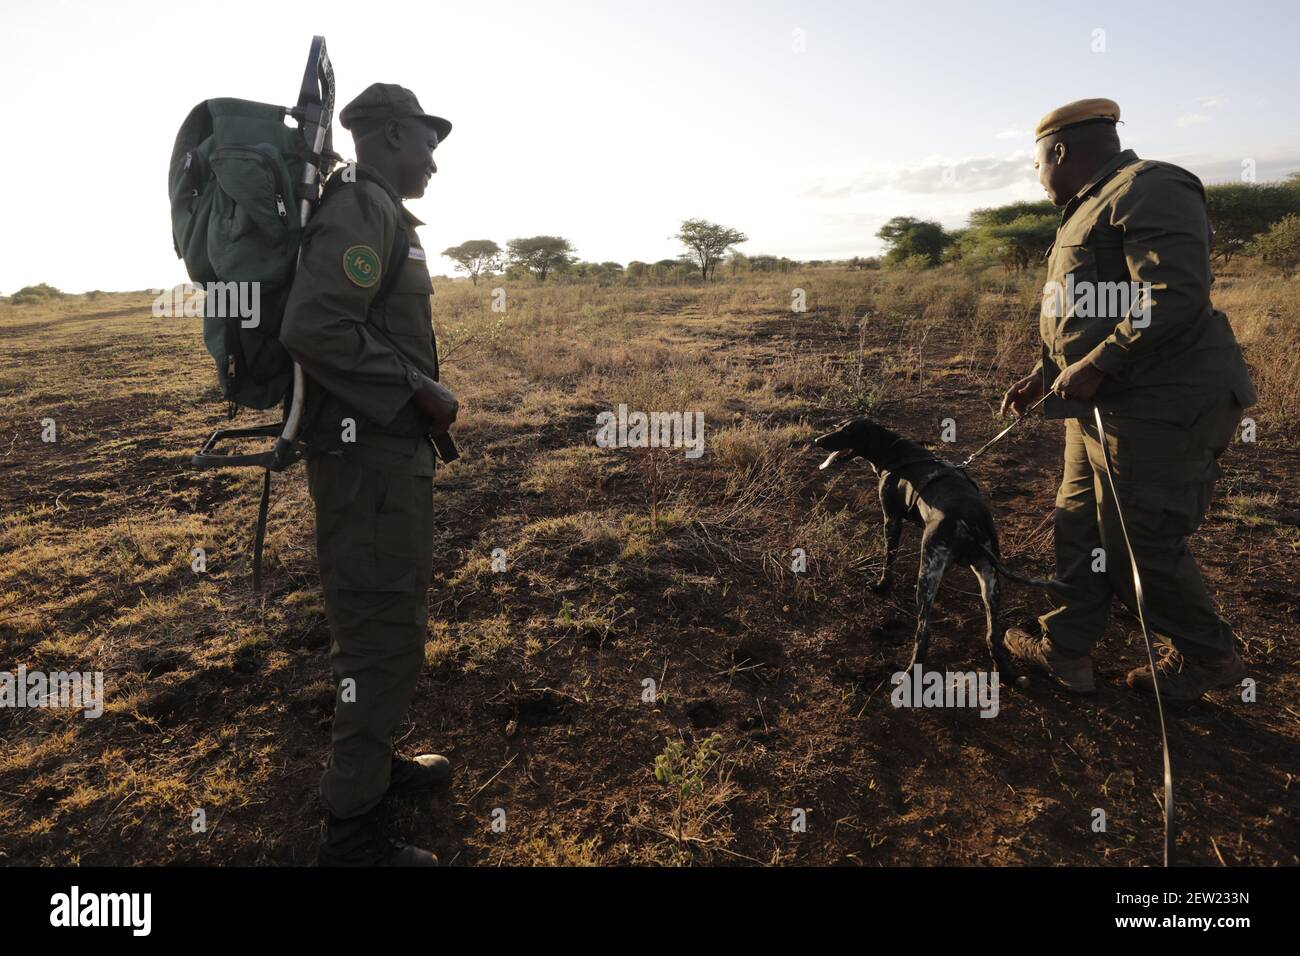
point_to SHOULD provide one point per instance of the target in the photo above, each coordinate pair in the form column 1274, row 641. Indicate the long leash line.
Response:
column 1146, row 634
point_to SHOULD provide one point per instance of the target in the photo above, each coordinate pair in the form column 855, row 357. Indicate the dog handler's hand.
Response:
column 1023, row 394
column 1079, row 381
column 439, row 404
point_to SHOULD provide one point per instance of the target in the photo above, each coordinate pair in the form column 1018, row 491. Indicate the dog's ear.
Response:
column 876, row 437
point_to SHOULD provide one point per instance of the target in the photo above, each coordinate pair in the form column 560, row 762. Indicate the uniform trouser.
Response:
column 1165, row 475
column 374, row 539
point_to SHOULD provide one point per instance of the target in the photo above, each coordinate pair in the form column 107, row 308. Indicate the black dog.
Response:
column 918, row 485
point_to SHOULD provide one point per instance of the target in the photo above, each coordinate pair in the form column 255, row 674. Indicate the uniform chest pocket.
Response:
column 1077, row 261
column 407, row 311
column 1073, row 268
column 1107, row 245
column 1075, row 305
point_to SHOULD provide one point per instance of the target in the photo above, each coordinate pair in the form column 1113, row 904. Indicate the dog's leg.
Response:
column 934, row 561
column 893, row 509
column 988, row 578
column 893, row 532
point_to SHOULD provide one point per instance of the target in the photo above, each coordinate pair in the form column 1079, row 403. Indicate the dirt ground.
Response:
column 622, row 566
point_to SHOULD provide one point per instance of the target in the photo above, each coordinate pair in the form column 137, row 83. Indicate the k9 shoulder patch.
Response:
column 361, row 266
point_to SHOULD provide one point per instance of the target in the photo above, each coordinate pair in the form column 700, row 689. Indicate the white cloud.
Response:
column 1270, row 164
column 933, row 176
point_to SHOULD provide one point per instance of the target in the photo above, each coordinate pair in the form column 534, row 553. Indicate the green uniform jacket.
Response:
column 1138, row 221
column 369, row 358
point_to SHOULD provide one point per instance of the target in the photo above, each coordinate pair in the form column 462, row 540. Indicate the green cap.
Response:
column 385, row 101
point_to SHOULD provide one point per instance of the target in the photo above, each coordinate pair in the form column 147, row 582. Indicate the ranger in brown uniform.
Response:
column 359, row 323
column 1166, row 372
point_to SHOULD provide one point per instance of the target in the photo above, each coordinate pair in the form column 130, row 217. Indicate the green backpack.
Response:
column 236, row 187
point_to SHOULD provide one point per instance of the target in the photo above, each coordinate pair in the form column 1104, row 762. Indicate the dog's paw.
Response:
column 881, row 587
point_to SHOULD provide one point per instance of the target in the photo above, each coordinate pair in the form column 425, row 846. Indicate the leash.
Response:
column 1146, row 634
column 1002, row 434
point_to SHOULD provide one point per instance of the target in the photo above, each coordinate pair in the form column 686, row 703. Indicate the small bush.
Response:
column 1280, row 246
column 41, row 292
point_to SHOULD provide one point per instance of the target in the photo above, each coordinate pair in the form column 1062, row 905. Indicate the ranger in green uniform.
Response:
column 1163, row 366
column 359, row 322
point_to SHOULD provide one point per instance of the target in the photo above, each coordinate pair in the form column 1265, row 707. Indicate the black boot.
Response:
column 362, row 841
column 424, row 772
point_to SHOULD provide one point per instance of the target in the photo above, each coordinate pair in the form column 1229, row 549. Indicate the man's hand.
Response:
column 1079, row 381
column 1023, row 394
column 437, row 403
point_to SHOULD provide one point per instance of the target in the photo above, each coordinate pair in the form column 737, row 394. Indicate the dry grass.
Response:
column 621, row 564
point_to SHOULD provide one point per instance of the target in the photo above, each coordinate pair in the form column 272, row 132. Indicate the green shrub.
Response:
column 41, row 292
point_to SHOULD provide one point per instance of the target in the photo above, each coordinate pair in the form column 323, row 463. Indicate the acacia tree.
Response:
column 706, row 242
column 540, row 255
column 1016, row 233
column 1241, row 211
column 1281, row 244
column 908, row 237
column 476, row 257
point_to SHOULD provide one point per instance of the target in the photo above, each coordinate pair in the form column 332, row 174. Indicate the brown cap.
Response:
column 1077, row 114
column 385, row 101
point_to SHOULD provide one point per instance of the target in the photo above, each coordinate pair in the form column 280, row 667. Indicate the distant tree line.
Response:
column 705, row 244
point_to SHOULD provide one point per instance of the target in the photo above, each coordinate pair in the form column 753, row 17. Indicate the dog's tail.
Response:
column 1052, row 584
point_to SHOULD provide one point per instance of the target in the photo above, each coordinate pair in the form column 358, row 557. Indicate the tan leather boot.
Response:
column 1184, row 679
column 1071, row 671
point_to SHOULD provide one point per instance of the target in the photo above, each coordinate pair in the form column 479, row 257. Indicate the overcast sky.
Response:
column 806, row 125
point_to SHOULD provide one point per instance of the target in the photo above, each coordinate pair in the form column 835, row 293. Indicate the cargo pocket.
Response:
column 395, row 533
column 1216, row 426
column 1164, row 513
column 1154, row 454
column 364, row 538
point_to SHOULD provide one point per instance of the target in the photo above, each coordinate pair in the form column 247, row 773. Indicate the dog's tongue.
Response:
column 829, row 459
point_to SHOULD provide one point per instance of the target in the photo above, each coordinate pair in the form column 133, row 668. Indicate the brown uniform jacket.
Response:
column 371, row 358
column 1139, row 221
